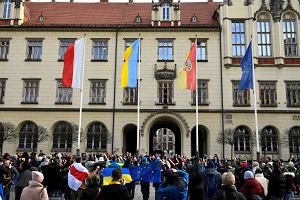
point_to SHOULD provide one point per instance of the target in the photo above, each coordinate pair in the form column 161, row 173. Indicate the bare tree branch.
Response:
column 42, row 134
column 75, row 132
column 228, row 137
column 7, row 131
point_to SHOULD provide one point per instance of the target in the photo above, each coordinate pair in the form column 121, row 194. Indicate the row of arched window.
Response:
column 269, row 138
column 63, row 136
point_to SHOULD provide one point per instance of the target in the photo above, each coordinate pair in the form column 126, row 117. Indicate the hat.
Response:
column 37, row 176
column 248, row 175
column 101, row 159
column 244, row 165
column 291, row 164
column 210, row 164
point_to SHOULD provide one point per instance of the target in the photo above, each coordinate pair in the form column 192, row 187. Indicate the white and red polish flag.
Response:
column 76, row 176
column 73, row 64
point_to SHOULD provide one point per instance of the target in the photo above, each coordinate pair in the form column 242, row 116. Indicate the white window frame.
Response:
column 7, row 8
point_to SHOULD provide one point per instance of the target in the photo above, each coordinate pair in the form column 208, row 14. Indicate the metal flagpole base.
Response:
column 77, row 152
column 258, row 156
column 197, row 154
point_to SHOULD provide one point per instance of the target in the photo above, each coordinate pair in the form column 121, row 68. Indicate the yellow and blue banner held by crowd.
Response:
column 106, row 173
column 129, row 68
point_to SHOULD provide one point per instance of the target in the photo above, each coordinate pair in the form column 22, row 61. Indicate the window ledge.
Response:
column 243, row 152
column 202, row 60
column 92, row 103
column 99, row 60
column 61, row 150
column 3, row 60
column 129, row 104
column 271, row 106
column 165, row 104
column 33, row 60
column 270, row 152
column 95, row 150
column 26, row 149
column 63, row 103
column 290, row 106
column 200, row 104
column 60, row 60
column 165, row 60
column 243, row 105
column 29, row 102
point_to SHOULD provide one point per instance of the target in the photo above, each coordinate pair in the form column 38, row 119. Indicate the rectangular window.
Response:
column 268, row 94
column 238, row 38
column 63, row 94
column 100, row 50
column 98, row 91
column 264, row 36
column 290, row 35
column 4, row 47
column 165, row 49
column 240, row 97
column 293, row 93
column 201, row 48
column 63, row 45
column 31, row 91
column 34, row 50
column 202, row 93
column 7, row 4
column 166, row 12
column 2, row 90
column 130, row 96
column 165, row 92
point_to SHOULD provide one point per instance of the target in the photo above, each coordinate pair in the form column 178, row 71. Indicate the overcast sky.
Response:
column 120, row 0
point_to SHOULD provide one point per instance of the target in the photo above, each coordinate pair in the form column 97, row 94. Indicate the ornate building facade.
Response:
column 34, row 37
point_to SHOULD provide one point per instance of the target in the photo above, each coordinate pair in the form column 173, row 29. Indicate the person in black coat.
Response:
column 116, row 190
column 228, row 190
column 92, row 190
column 277, row 183
column 196, row 180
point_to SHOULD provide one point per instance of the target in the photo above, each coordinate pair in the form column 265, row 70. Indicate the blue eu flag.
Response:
column 246, row 65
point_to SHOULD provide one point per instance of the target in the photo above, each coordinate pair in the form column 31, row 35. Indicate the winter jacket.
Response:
column 263, row 182
column 90, row 193
column 174, row 192
column 251, row 188
column 196, row 182
column 25, row 177
column 35, row 191
column 276, row 185
column 228, row 193
column 212, row 174
column 115, row 191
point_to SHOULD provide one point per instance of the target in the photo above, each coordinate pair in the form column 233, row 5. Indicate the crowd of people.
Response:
column 35, row 177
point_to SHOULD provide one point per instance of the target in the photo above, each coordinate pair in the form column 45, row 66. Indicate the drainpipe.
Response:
column 222, row 93
column 114, row 98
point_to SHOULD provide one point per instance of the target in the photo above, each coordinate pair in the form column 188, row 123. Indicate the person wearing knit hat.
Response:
column 210, row 164
column 251, row 188
column 35, row 190
column 212, row 180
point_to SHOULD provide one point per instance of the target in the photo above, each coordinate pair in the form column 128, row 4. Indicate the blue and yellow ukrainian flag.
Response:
column 129, row 68
column 106, row 173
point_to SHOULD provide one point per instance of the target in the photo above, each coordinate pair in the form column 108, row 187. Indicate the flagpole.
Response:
column 81, row 101
column 138, row 98
column 197, row 95
column 255, row 107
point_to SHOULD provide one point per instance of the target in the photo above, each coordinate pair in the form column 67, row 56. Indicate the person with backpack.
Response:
column 277, row 183
column 196, row 180
column 228, row 190
column 212, row 180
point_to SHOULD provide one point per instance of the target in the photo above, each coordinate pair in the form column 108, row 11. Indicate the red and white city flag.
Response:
column 76, row 176
column 73, row 64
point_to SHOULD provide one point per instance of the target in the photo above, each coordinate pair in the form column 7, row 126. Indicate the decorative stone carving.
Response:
column 164, row 73
column 17, row 3
column 263, row 8
column 276, row 9
column 249, row 2
column 289, row 7
column 165, row 111
column 228, row 2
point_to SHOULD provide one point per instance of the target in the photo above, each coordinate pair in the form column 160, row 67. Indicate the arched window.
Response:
column 269, row 139
column 166, row 12
column 28, row 136
column 97, row 137
column 290, row 34
column 6, row 9
column 294, row 139
column 264, row 35
column 62, row 136
column 242, row 138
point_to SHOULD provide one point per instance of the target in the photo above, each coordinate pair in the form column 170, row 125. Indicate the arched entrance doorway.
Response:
column 129, row 138
column 165, row 135
column 202, row 141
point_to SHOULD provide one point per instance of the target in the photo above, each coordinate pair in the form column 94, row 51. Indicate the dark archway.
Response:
column 168, row 123
column 202, row 141
column 129, row 138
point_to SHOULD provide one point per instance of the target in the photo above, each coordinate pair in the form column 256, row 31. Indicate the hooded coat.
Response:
column 35, row 191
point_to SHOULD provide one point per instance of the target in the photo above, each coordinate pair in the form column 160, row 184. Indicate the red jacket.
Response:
column 252, row 187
